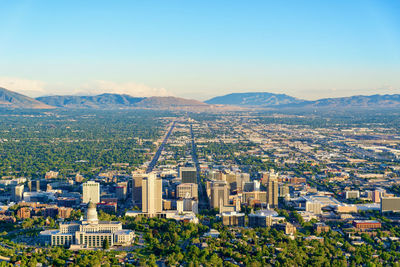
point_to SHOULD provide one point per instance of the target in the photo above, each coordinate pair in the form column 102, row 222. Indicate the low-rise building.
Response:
column 262, row 218
column 390, row 204
column 24, row 213
column 352, row 194
column 321, row 228
column 366, row 224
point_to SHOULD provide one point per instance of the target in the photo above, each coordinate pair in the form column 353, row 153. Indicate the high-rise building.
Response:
column 187, row 205
column 241, row 179
column 188, row 175
column 17, row 192
column 251, row 186
column 271, row 175
column 137, row 188
column 255, row 197
column 91, row 192
column 151, row 194
column 34, row 186
column 121, row 190
column 272, row 192
column 376, row 196
column 235, row 180
column 314, row 207
column 219, row 194
column 214, row 175
column 283, row 190
column 187, row 191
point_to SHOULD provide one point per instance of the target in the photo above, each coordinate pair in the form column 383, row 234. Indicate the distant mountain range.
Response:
column 118, row 101
column 94, row 102
column 235, row 101
column 269, row 100
column 254, row 99
column 359, row 101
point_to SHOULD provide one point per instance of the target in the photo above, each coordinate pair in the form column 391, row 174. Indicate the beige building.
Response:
column 314, row 207
column 219, row 194
column 236, row 180
column 151, row 194
column 187, row 190
column 270, row 175
column 346, row 208
column 272, row 192
column 241, row 179
column 390, row 204
column 137, row 188
column 91, row 192
column 254, row 197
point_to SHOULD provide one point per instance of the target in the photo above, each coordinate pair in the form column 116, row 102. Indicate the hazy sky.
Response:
column 200, row 49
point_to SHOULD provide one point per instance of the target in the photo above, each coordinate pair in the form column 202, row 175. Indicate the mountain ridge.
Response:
column 11, row 99
column 106, row 100
column 120, row 101
column 253, row 99
column 234, row 101
column 357, row 101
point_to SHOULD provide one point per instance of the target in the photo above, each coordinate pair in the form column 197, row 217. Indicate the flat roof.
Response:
column 366, row 221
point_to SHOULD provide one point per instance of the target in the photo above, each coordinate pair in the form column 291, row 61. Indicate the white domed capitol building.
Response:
column 88, row 232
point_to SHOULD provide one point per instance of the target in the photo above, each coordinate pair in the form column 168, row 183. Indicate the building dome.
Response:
column 91, row 213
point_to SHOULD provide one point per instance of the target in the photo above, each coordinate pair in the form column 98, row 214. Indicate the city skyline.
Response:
column 201, row 50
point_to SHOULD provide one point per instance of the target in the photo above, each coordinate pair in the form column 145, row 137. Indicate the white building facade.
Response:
column 88, row 233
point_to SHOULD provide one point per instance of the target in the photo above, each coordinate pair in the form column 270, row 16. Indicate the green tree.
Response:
column 106, row 245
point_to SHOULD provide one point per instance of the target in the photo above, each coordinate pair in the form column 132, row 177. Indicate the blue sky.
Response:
column 200, row 49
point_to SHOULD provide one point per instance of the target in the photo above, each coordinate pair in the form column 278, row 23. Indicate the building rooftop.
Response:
column 265, row 212
column 232, row 213
column 366, row 221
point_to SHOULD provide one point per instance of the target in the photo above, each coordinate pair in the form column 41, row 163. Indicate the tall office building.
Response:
column 376, row 196
column 270, row 175
column 137, row 188
column 121, row 190
column 188, row 175
column 17, row 192
column 272, row 192
column 235, row 180
column 219, row 194
column 187, row 191
column 91, row 192
column 255, row 197
column 34, row 186
column 241, row 179
column 284, row 190
column 151, row 194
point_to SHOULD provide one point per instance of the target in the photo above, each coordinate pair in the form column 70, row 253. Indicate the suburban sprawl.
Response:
column 184, row 188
